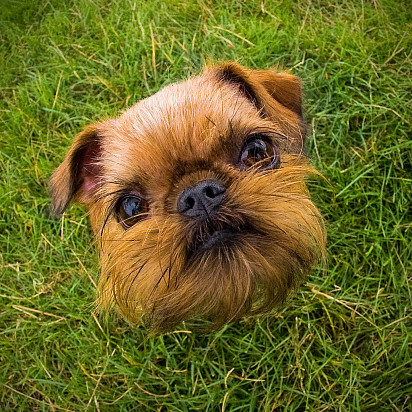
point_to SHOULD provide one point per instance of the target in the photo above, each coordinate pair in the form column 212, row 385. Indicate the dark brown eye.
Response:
column 131, row 209
column 259, row 149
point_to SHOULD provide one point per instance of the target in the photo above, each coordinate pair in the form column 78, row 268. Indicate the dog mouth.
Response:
column 218, row 238
column 209, row 238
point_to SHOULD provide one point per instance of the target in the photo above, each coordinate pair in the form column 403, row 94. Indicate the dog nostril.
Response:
column 190, row 202
column 210, row 193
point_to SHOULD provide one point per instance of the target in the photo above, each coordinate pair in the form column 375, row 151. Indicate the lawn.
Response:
column 342, row 343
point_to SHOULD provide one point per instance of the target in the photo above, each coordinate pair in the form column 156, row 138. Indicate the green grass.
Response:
column 343, row 342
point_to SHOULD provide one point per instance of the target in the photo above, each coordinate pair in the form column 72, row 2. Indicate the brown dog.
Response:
column 197, row 198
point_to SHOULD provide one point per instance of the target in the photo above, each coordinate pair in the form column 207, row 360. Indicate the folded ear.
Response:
column 283, row 87
column 261, row 85
column 79, row 176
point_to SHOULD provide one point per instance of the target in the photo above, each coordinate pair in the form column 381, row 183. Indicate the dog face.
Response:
column 197, row 198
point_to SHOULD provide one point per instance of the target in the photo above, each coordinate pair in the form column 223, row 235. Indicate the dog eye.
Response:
column 130, row 210
column 259, row 149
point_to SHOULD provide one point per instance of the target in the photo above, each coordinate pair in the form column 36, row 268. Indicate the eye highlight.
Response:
column 130, row 209
column 259, row 149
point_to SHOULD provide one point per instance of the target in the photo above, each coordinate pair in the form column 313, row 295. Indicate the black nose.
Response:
column 201, row 200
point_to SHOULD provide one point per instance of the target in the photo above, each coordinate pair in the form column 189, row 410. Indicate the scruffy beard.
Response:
column 269, row 236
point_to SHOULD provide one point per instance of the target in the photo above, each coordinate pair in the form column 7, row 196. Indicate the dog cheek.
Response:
column 138, row 265
column 279, row 207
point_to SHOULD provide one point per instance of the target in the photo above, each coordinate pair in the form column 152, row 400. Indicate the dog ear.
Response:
column 78, row 177
column 261, row 85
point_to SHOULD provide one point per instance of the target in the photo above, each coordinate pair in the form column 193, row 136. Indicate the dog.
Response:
column 197, row 198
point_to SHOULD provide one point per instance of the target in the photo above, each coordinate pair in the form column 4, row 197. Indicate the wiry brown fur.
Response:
column 186, row 133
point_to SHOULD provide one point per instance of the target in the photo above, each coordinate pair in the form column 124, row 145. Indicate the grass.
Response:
column 343, row 342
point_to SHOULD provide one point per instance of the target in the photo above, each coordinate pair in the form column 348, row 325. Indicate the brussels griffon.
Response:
column 197, row 198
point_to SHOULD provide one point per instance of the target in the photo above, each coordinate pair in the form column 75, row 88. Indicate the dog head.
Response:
column 197, row 198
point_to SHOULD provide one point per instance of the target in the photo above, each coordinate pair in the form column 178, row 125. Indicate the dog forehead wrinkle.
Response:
column 183, row 127
column 187, row 105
